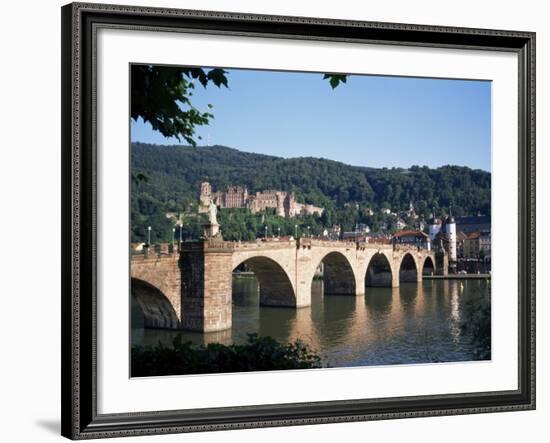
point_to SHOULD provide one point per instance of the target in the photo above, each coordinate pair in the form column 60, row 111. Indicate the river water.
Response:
column 415, row 323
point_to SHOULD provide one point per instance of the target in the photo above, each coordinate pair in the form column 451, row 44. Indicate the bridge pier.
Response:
column 206, row 280
column 441, row 263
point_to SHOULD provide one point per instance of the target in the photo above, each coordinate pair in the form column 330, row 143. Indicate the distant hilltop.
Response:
column 345, row 193
column 283, row 202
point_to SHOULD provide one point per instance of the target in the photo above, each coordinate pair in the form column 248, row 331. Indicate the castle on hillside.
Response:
column 283, row 202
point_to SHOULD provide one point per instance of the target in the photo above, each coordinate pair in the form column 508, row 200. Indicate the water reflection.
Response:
column 411, row 324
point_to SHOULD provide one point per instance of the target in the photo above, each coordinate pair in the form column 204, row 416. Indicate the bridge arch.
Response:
column 338, row 274
column 151, row 307
column 408, row 271
column 428, row 267
column 276, row 287
column 379, row 271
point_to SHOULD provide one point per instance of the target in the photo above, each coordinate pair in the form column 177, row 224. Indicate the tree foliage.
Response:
column 257, row 354
column 476, row 323
column 161, row 96
column 348, row 193
column 335, row 79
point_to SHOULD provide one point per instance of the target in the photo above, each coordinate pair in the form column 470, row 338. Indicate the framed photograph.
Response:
column 273, row 221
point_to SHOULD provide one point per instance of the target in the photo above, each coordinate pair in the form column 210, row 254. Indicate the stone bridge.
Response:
column 192, row 289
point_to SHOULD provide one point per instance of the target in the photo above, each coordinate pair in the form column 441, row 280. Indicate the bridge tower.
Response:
column 450, row 230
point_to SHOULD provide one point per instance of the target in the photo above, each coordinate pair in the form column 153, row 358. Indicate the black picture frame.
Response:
column 79, row 171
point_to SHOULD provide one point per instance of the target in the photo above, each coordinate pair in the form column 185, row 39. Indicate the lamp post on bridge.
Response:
column 149, row 235
column 308, row 231
column 265, row 232
column 296, row 232
column 278, row 232
column 181, row 229
column 173, row 234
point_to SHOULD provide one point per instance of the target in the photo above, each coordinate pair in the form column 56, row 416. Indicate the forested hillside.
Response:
column 173, row 175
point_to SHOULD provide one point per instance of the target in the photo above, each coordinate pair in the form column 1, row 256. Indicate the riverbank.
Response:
column 457, row 277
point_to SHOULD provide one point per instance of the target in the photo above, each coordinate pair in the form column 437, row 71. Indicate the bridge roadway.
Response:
column 191, row 289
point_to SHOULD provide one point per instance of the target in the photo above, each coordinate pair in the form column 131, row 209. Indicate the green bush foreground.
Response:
column 257, row 354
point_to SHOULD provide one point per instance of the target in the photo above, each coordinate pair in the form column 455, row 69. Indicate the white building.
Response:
column 434, row 227
column 450, row 231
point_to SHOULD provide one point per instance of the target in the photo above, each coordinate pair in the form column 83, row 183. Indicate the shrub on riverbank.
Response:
column 257, row 354
column 477, row 324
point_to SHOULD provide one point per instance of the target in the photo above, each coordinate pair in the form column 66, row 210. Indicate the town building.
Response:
column 476, row 223
column 460, row 238
column 479, row 224
column 359, row 233
column 354, row 236
column 412, row 237
column 485, row 246
column 477, row 246
column 471, row 246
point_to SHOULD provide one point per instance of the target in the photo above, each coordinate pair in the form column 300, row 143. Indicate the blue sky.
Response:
column 369, row 121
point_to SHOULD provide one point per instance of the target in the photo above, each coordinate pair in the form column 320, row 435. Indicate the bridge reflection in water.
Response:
column 413, row 323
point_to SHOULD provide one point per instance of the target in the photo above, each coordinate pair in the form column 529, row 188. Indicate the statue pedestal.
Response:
column 212, row 230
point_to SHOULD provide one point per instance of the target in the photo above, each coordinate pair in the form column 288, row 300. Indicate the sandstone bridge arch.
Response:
column 155, row 286
column 276, row 287
column 152, row 306
column 198, row 280
column 428, row 266
column 338, row 274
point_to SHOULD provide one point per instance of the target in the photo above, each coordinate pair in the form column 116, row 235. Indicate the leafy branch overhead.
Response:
column 335, row 79
column 161, row 96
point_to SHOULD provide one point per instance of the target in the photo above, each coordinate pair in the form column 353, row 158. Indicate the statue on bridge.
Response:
column 212, row 211
column 212, row 227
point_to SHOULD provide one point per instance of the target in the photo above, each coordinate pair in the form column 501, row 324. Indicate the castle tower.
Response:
column 450, row 231
column 205, row 197
column 206, row 189
column 281, row 203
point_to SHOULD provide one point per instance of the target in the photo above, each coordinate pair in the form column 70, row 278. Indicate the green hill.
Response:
column 174, row 174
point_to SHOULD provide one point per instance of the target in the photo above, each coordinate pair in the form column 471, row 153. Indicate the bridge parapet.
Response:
column 207, row 245
column 265, row 245
column 310, row 242
column 408, row 248
column 154, row 251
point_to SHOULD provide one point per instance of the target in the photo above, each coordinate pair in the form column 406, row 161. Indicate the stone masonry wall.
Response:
column 162, row 272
